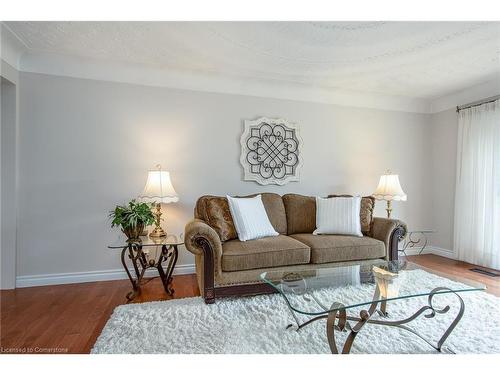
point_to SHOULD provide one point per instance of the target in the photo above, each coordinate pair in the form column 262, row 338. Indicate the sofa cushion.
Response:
column 263, row 252
column 328, row 248
column 300, row 213
column 218, row 216
column 250, row 218
column 273, row 204
column 200, row 209
column 275, row 209
column 338, row 215
column 365, row 214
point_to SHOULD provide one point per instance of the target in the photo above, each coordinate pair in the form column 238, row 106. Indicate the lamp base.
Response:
column 158, row 232
column 389, row 209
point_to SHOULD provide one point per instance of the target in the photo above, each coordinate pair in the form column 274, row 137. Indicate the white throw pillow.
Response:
column 339, row 215
column 250, row 218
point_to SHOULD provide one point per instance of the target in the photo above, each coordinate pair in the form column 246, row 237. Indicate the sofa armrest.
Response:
column 390, row 231
column 204, row 242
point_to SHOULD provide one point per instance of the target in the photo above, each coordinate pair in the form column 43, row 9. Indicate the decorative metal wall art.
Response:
column 271, row 151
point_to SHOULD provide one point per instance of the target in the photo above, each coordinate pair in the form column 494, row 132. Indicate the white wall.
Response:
column 8, row 188
column 86, row 145
column 444, row 159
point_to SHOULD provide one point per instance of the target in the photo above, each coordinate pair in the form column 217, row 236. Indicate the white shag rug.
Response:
column 257, row 325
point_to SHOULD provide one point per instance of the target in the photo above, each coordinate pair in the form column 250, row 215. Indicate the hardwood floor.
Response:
column 459, row 269
column 69, row 318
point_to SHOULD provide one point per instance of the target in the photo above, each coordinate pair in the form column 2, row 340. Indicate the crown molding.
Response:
column 12, row 48
column 77, row 67
column 467, row 95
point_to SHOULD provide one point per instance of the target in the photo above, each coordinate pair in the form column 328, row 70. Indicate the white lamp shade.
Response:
column 389, row 189
column 159, row 188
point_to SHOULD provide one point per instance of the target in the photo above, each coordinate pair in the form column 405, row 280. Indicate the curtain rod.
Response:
column 478, row 102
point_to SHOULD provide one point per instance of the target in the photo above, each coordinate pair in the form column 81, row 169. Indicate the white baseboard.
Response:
column 432, row 250
column 89, row 276
column 417, row 251
column 443, row 252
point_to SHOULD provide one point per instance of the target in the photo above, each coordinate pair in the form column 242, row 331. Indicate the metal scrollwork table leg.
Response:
column 134, row 252
column 338, row 320
column 415, row 238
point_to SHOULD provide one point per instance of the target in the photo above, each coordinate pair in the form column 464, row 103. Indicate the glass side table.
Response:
column 138, row 254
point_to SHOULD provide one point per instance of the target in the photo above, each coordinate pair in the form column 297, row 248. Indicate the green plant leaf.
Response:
column 132, row 215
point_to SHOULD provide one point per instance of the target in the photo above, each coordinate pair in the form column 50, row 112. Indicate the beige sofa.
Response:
column 226, row 266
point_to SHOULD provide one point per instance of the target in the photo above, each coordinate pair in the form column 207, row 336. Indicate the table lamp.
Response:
column 389, row 190
column 158, row 190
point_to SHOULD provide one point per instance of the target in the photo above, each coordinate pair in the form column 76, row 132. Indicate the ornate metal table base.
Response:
column 141, row 263
column 338, row 320
column 414, row 238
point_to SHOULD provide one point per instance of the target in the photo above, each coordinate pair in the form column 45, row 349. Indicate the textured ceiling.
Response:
column 416, row 59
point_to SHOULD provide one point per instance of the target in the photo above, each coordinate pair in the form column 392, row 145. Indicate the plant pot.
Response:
column 133, row 233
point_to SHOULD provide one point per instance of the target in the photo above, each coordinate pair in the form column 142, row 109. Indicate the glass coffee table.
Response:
column 317, row 294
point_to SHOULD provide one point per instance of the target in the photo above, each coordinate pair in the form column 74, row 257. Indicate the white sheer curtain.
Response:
column 477, row 198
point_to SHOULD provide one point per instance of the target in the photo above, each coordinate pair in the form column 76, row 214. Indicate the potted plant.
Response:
column 132, row 218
